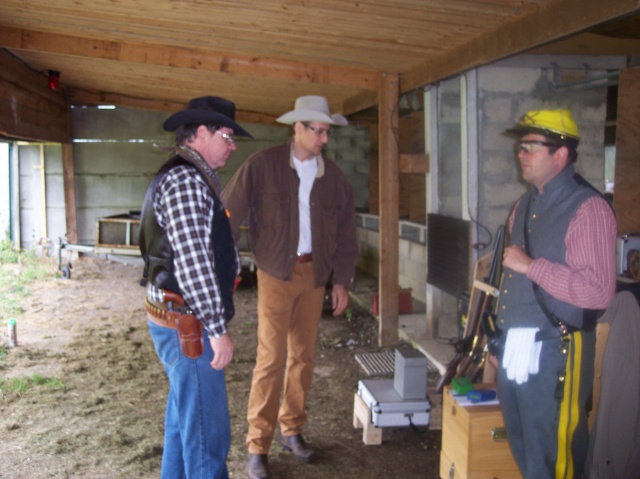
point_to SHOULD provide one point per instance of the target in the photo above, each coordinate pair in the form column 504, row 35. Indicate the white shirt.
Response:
column 307, row 171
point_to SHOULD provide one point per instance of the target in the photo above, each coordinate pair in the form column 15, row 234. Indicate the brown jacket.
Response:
column 265, row 189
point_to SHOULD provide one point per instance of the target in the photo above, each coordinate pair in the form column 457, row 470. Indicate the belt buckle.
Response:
column 303, row 257
column 179, row 309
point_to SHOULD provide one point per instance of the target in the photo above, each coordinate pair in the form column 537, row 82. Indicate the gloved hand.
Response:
column 521, row 354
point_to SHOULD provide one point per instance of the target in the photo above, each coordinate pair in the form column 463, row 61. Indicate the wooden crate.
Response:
column 119, row 231
column 469, row 450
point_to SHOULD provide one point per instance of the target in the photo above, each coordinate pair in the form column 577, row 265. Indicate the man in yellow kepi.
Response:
column 559, row 268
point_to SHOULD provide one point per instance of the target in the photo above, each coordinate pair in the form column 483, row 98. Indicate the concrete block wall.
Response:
column 412, row 258
column 117, row 153
column 505, row 94
column 349, row 147
column 42, row 213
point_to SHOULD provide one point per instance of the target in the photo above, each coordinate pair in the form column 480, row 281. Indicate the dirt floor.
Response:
column 103, row 417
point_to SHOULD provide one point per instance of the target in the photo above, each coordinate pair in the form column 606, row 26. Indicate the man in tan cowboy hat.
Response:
column 559, row 268
column 191, row 263
column 301, row 217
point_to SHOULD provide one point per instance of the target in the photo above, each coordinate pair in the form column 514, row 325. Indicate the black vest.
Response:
column 158, row 254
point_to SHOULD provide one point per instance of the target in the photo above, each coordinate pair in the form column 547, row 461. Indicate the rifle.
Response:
column 470, row 349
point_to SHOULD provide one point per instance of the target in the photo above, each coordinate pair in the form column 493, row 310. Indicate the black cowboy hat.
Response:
column 207, row 110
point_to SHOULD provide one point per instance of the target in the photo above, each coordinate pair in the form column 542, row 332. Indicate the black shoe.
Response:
column 258, row 466
column 297, row 445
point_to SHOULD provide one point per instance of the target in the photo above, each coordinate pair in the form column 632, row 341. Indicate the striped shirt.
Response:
column 184, row 208
column 589, row 279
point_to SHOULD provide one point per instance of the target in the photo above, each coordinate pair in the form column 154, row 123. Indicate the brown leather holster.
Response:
column 190, row 330
column 190, row 335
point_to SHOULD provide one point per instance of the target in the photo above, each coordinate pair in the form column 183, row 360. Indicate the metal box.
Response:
column 410, row 374
column 624, row 245
column 388, row 409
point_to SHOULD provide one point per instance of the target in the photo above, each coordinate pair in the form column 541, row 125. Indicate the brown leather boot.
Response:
column 298, row 446
column 258, row 466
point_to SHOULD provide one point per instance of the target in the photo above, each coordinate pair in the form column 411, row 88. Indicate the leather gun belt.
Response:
column 160, row 315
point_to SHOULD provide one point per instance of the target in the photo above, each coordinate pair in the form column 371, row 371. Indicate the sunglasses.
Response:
column 529, row 146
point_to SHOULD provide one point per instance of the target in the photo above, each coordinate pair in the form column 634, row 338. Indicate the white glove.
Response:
column 521, row 354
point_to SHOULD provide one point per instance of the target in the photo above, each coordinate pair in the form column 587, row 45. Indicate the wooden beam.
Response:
column 626, row 198
column 552, row 21
column 414, row 163
column 189, row 58
column 360, row 102
column 77, row 96
column 28, row 109
column 69, row 183
column 388, row 180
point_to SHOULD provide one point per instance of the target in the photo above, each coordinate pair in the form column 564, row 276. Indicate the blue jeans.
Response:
column 197, row 431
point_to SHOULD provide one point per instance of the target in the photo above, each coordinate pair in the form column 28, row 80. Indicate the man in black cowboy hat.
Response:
column 302, row 229
column 191, row 263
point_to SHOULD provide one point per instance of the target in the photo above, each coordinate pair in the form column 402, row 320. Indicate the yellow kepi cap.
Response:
column 555, row 122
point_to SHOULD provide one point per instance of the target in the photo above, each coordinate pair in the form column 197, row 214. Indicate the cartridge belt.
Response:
column 158, row 313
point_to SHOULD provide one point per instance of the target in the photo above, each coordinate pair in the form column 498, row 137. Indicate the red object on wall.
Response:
column 405, row 305
column 54, row 80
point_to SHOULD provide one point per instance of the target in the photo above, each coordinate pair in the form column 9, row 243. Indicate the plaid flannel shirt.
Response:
column 183, row 206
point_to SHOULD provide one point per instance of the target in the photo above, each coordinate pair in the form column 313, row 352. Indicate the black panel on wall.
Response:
column 448, row 253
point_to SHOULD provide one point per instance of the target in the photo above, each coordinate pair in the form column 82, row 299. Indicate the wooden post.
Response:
column 388, row 179
column 627, row 195
column 69, row 181
column 371, row 435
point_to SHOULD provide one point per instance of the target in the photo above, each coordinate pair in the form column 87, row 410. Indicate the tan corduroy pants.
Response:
column 288, row 318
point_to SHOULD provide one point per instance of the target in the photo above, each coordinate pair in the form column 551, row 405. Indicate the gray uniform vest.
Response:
column 549, row 215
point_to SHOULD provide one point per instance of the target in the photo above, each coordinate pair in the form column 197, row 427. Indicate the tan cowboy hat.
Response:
column 312, row 108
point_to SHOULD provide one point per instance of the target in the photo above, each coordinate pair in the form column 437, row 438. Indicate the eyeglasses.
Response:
column 528, row 146
column 317, row 131
column 228, row 138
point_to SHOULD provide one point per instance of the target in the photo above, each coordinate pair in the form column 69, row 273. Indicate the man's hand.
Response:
column 516, row 259
column 222, row 351
column 339, row 299
column 494, row 361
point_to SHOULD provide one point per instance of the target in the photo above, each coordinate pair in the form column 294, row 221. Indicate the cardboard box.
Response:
column 473, row 442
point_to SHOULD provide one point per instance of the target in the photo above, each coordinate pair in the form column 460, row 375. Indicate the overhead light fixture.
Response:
column 54, row 80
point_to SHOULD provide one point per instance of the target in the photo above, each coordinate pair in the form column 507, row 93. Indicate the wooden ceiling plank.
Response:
column 482, row 7
column 329, row 38
column 554, row 20
column 186, row 58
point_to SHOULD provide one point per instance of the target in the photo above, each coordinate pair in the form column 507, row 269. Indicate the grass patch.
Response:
column 3, row 352
column 19, row 386
column 7, row 253
column 17, row 270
